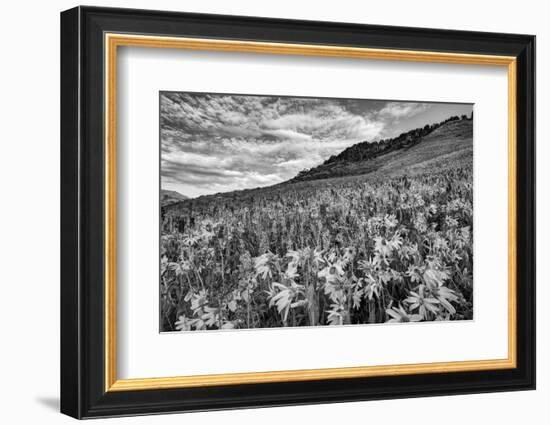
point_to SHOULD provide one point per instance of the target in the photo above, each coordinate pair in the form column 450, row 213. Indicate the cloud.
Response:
column 284, row 134
column 399, row 110
column 215, row 143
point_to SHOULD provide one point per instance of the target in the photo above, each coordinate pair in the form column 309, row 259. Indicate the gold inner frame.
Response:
column 113, row 41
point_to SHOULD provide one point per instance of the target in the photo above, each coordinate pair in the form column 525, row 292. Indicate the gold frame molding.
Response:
column 113, row 41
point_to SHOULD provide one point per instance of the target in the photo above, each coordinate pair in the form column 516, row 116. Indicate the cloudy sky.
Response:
column 218, row 143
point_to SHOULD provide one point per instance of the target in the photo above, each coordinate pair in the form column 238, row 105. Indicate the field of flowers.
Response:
column 342, row 252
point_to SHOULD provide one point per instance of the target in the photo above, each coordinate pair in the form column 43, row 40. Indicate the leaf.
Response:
column 435, row 278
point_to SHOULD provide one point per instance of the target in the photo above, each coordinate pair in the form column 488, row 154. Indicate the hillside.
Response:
column 168, row 197
column 432, row 147
column 447, row 145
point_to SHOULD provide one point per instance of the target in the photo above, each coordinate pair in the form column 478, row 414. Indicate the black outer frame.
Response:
column 82, row 212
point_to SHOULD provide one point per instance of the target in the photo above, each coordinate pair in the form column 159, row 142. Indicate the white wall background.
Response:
column 29, row 215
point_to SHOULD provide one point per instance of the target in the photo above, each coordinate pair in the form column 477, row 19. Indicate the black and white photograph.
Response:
column 299, row 211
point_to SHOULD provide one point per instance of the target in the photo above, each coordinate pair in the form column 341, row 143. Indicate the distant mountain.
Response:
column 427, row 148
column 168, row 197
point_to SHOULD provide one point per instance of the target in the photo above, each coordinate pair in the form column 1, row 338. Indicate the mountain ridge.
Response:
column 365, row 153
column 168, row 197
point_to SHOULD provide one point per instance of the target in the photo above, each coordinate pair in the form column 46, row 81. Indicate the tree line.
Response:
column 367, row 150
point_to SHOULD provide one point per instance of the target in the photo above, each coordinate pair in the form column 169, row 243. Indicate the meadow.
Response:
column 352, row 250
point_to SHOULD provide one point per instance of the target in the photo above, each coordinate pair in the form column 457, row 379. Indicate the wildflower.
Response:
column 418, row 300
column 331, row 272
column 435, row 278
column 445, row 296
column 183, row 324
column 399, row 315
column 390, row 221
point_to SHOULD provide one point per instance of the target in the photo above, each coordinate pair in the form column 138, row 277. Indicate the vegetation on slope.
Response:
column 168, row 197
column 369, row 157
column 352, row 252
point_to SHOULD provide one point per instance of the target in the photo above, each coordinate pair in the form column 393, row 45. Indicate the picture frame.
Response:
column 90, row 41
